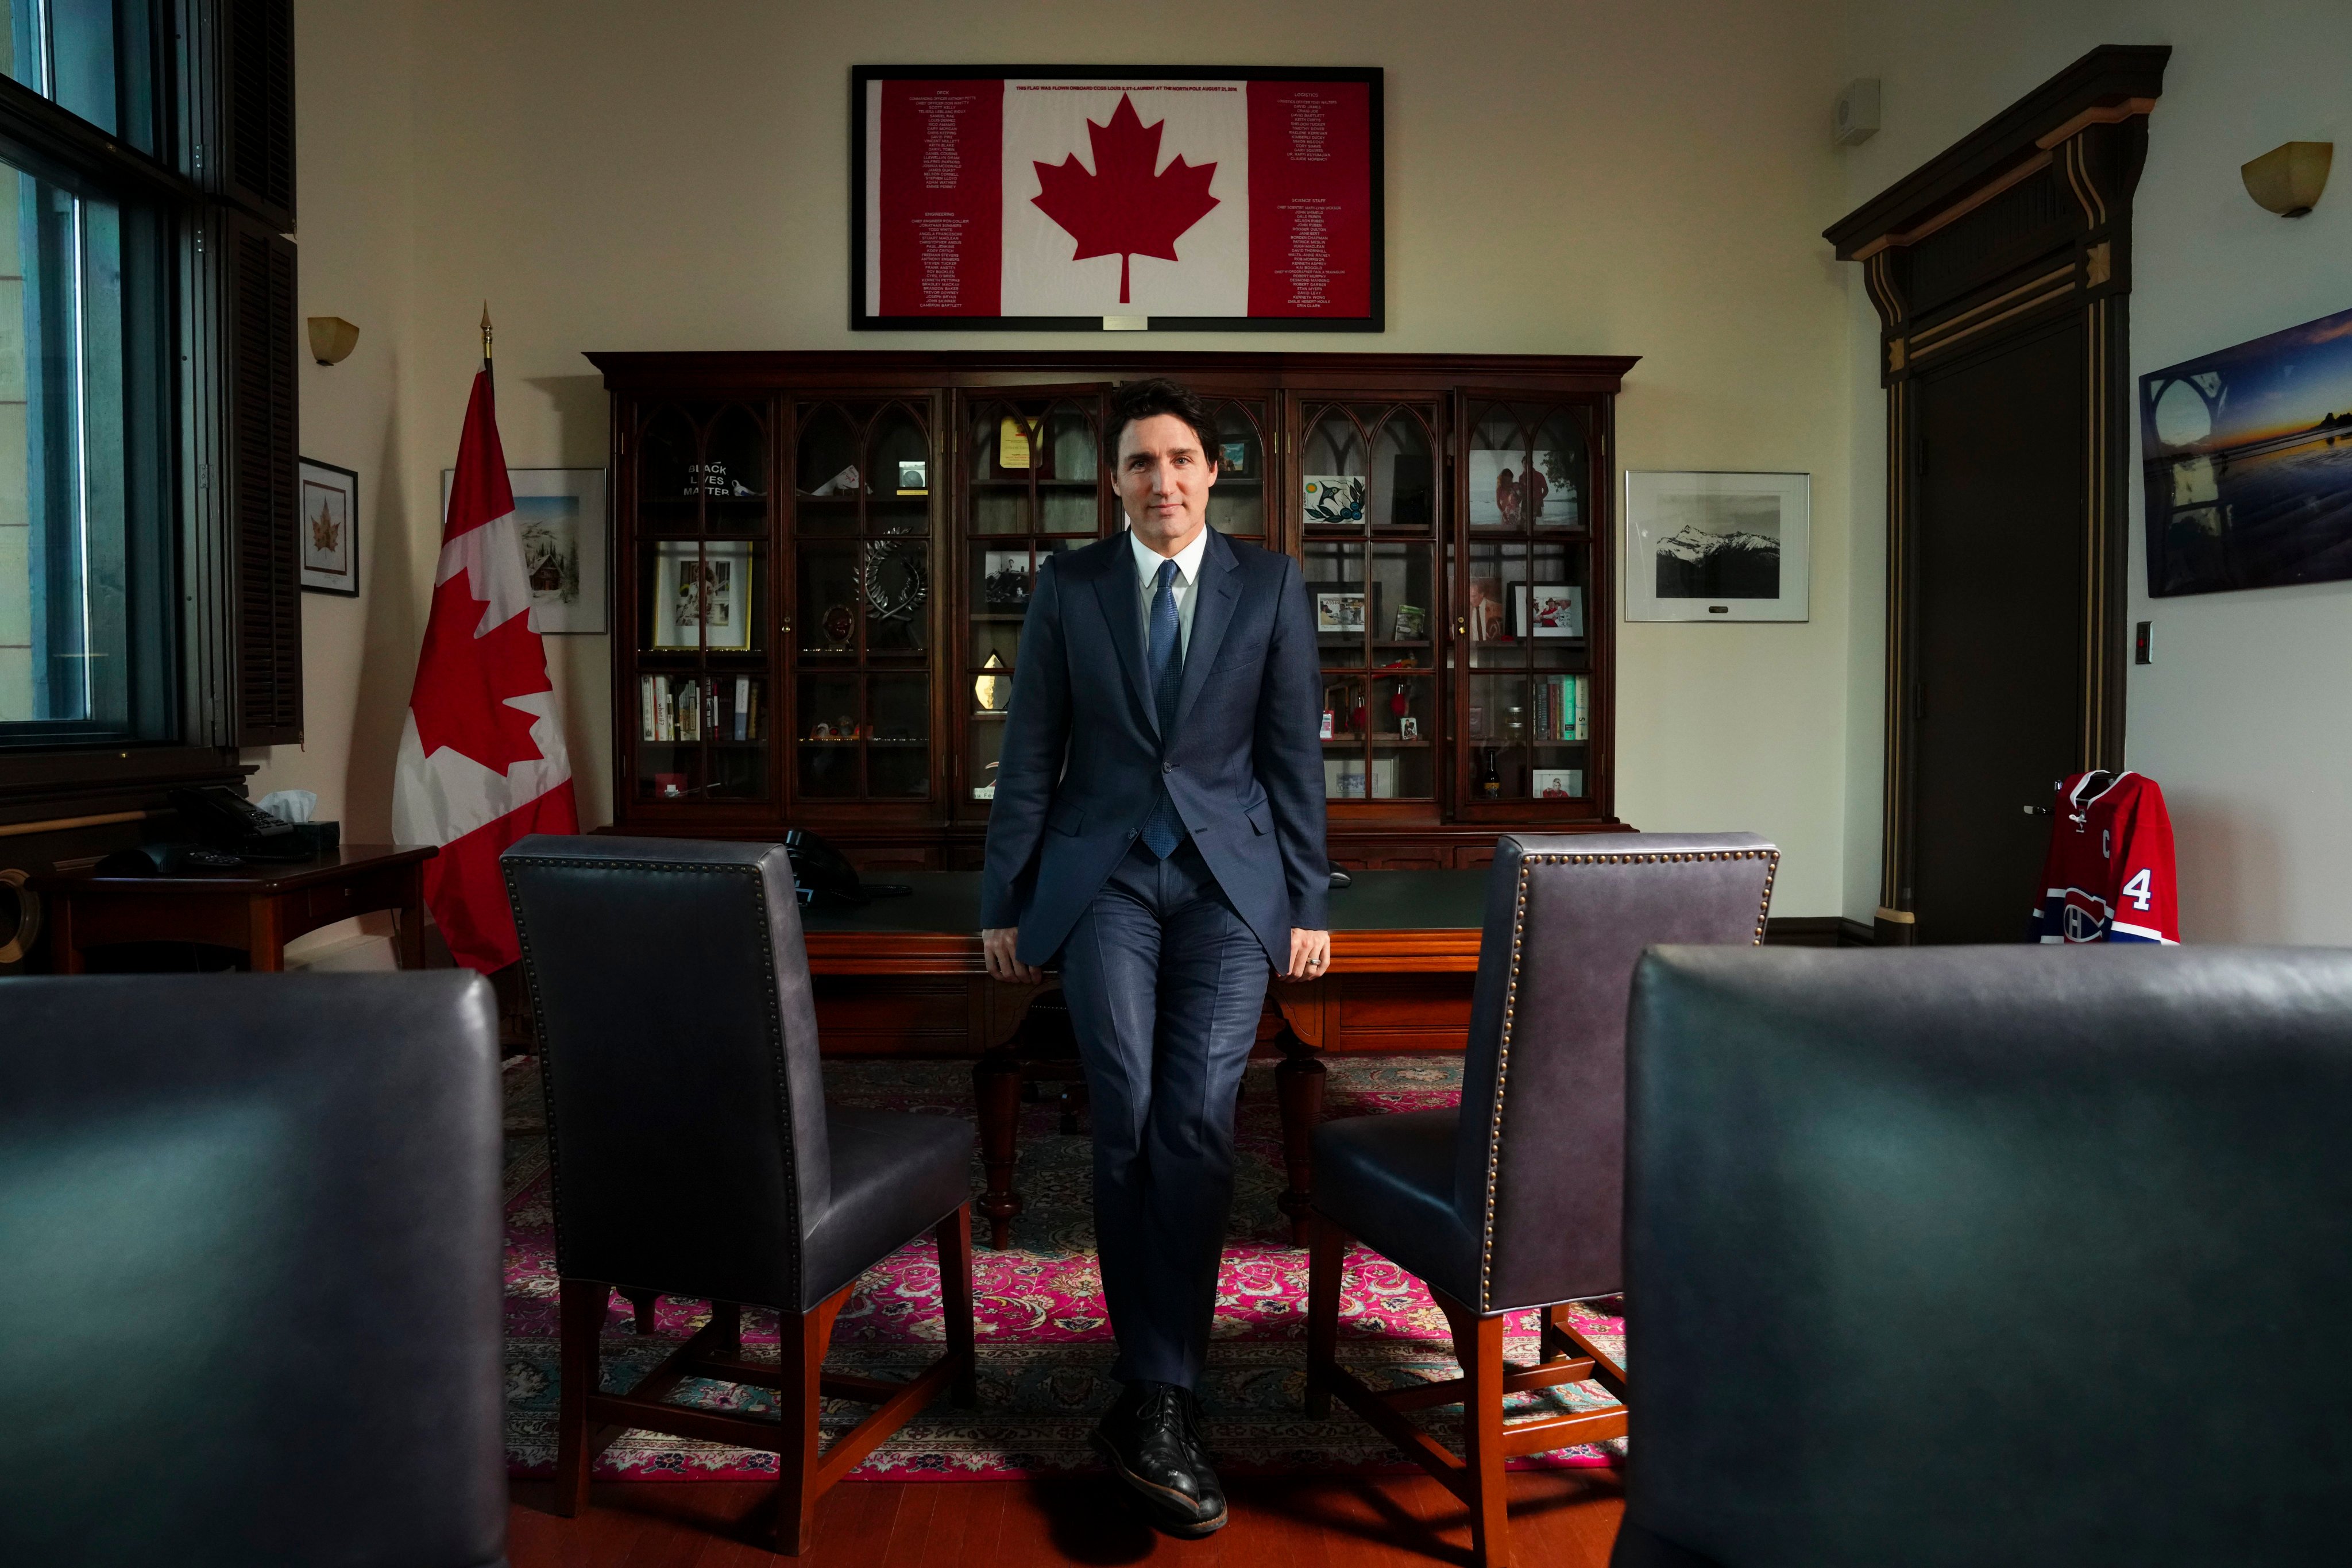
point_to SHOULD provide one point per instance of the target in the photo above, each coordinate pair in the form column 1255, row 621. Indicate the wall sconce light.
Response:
column 2288, row 178
column 332, row 338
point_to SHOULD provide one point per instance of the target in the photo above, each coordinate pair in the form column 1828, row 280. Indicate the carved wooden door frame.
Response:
column 2026, row 219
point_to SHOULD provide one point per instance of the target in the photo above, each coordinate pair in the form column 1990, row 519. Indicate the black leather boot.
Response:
column 1149, row 1440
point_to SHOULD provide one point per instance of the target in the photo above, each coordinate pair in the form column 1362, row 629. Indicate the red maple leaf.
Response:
column 463, row 681
column 1125, row 209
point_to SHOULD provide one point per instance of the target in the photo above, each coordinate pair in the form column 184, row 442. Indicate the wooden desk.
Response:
column 905, row 978
column 259, row 908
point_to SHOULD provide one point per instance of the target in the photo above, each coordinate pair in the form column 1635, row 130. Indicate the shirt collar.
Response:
column 1188, row 560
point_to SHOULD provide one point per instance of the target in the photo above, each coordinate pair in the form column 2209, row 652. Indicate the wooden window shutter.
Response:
column 257, row 117
column 263, row 477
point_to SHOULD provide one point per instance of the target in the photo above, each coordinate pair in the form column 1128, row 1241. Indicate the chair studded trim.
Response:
column 1771, row 858
column 750, row 876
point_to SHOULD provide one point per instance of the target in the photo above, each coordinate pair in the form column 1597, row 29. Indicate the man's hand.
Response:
column 997, row 941
column 1310, row 954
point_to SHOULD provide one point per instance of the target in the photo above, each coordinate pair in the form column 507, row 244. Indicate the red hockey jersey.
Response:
column 2109, row 874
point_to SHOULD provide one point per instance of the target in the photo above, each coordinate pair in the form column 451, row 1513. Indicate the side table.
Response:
column 259, row 908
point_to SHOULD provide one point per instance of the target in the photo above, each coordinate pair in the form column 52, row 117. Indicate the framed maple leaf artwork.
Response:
column 1064, row 197
column 330, row 525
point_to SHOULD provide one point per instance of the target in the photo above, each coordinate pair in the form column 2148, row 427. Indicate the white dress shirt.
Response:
column 1187, row 573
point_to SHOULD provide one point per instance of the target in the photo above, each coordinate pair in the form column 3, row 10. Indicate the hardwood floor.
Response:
column 1559, row 1518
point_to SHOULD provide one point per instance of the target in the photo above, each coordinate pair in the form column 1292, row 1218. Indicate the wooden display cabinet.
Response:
column 824, row 560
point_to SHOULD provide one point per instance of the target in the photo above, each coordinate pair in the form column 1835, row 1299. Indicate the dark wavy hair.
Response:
column 1144, row 399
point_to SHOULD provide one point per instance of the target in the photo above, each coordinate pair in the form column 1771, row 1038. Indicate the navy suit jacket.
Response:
column 1084, row 760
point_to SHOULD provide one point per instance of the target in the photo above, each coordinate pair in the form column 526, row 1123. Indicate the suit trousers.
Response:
column 1165, row 985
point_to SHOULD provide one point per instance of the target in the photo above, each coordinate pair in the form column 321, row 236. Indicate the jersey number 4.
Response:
column 2136, row 888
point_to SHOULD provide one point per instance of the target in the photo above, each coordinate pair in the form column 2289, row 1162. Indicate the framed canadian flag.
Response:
column 1071, row 198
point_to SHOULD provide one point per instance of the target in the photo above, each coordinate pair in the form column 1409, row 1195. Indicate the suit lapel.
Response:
column 1121, row 601
column 1217, row 594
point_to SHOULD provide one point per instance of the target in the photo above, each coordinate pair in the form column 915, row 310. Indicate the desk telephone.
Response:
column 223, row 820
column 823, row 878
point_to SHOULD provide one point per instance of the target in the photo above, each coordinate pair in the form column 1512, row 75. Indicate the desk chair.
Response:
column 1980, row 1255
column 694, row 1153
column 1515, row 1200
column 249, row 1238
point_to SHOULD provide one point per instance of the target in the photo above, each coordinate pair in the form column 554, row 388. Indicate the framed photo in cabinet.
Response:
column 702, row 595
column 1717, row 546
column 1508, row 489
column 1342, row 613
column 1548, row 610
column 1559, row 783
column 1110, row 197
column 1333, row 500
column 1005, row 579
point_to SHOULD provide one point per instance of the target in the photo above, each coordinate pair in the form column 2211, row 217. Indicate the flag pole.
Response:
column 485, row 337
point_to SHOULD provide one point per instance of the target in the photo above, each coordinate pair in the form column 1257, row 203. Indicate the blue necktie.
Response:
column 1165, row 656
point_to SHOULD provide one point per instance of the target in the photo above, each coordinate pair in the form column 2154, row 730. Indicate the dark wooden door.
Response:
column 2001, row 607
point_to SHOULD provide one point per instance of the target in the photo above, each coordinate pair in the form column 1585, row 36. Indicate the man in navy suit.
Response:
column 1158, row 825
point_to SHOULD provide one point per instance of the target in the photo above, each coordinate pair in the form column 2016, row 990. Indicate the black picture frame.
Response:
column 864, row 320
column 350, row 488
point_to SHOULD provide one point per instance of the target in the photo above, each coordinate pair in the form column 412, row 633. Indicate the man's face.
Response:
column 1163, row 481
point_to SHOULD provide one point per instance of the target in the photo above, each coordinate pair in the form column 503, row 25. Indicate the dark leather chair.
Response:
column 249, row 1243
column 694, row 1153
column 1515, row 1200
column 1989, row 1255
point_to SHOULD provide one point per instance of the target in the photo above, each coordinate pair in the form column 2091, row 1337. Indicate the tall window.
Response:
column 81, row 607
column 93, row 57
column 86, row 454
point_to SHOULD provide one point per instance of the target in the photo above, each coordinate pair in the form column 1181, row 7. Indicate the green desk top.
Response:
column 948, row 903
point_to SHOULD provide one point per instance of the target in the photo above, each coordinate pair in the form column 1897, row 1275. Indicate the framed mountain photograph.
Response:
column 1717, row 546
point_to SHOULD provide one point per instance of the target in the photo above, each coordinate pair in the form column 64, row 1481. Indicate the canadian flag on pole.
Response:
column 481, row 761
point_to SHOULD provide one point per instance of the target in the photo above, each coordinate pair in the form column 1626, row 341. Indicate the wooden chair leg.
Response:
column 1299, row 1090
column 804, row 1369
column 727, row 1325
column 954, row 1237
column 1550, row 1342
column 642, row 1302
column 1327, row 1260
column 581, row 1309
column 1479, row 1343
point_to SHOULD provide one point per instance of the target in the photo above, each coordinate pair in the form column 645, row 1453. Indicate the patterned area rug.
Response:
column 1045, row 1344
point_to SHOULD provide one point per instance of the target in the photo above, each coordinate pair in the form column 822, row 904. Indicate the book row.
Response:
column 710, row 709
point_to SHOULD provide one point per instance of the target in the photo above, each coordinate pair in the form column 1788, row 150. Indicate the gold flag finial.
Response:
column 485, row 329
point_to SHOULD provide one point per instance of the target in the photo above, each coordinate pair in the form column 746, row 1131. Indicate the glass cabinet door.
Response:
column 1526, row 567
column 1034, row 483
column 1237, row 501
column 702, row 531
column 860, row 626
column 1366, row 485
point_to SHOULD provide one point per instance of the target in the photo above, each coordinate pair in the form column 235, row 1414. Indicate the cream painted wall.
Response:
column 2242, row 718
column 1609, row 177
column 355, row 111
